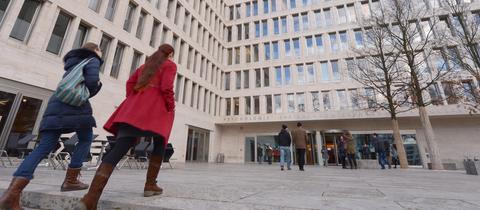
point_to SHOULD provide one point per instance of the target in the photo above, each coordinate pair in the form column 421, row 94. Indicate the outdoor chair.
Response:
column 168, row 154
column 23, row 145
column 135, row 154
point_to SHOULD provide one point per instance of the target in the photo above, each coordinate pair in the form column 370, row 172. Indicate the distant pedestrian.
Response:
column 299, row 135
column 60, row 117
column 269, row 151
column 325, row 156
column 365, row 152
column 351, row 151
column 388, row 153
column 285, row 141
column 394, row 153
column 341, row 152
column 380, row 150
column 259, row 154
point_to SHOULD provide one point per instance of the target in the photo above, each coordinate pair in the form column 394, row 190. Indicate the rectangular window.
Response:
column 248, row 54
column 127, row 24
column 238, row 80
column 309, row 44
column 135, row 62
column 293, row 4
column 154, row 35
column 325, row 72
column 248, row 105
column 237, row 55
column 284, row 25
column 354, row 98
column 238, row 11
column 296, row 46
column 342, row 14
column 256, row 105
column 266, row 77
column 81, row 36
column 265, row 6
column 257, row 29
column 26, row 18
column 227, row 81
column 352, row 17
column 255, row 53
column 59, row 32
column 229, row 34
column 266, row 46
column 301, row 75
column 358, row 39
column 296, row 23
column 230, row 14
column 3, row 8
column 230, row 56
column 94, row 5
column 276, row 26
column 248, row 9
column 288, row 48
column 236, row 106
column 450, row 92
column 246, row 30
column 328, row 17
column 319, row 43
column 255, row 8
column 264, row 28
column 105, row 46
column 117, row 60
column 335, row 70
column 239, row 32
column 268, row 99
column 469, row 91
column 315, row 101
column 274, row 5
column 310, row 73
column 326, row 100
column 275, row 50
column 343, row 40
column 342, row 99
column 370, row 94
column 246, row 79
column 278, row 103
column 333, row 42
column 141, row 22
column 365, row 10
column 305, row 24
column 258, row 78
column 111, row 7
column 435, row 95
column 278, row 76
column 288, row 76
column 228, row 105
column 291, row 102
column 178, row 85
column 318, row 19
column 301, row 102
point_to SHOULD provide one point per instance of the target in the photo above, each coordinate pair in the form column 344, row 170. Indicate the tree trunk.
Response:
column 402, row 155
column 430, row 138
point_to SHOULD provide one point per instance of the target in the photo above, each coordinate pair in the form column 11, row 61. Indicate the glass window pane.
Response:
column 117, row 61
column 81, row 36
column 266, row 77
column 315, row 101
column 109, row 14
column 278, row 103
column 326, row 100
column 301, row 102
column 3, row 8
column 25, row 19
column 58, row 33
column 335, row 70
column 278, row 76
column 291, row 102
column 325, row 73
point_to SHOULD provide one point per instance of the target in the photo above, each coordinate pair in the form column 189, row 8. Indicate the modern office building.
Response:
column 244, row 68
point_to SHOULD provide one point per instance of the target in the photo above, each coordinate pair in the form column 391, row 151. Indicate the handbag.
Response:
column 71, row 89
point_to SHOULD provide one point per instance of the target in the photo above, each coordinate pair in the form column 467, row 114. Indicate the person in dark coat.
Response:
column 380, row 150
column 60, row 118
column 300, row 139
column 342, row 153
column 147, row 111
column 284, row 142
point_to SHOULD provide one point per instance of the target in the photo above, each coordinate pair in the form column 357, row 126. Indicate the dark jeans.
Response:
column 382, row 159
column 352, row 160
column 48, row 142
column 342, row 158
column 301, row 158
column 123, row 144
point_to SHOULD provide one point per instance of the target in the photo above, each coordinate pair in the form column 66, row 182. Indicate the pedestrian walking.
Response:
column 259, row 154
column 365, row 152
column 351, row 151
column 325, row 156
column 64, row 116
column 147, row 111
column 380, row 150
column 284, row 141
column 269, row 151
column 388, row 154
column 394, row 153
column 299, row 136
column 342, row 155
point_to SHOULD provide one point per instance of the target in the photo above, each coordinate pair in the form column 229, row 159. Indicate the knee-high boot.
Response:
column 90, row 200
column 11, row 197
column 151, row 188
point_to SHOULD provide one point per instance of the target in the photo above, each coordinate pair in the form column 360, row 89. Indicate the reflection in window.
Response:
column 326, row 100
column 278, row 103
column 300, row 74
column 291, row 102
column 256, row 105
column 315, row 101
column 248, row 105
column 301, row 102
column 268, row 99
column 25, row 19
column 335, row 70
column 325, row 73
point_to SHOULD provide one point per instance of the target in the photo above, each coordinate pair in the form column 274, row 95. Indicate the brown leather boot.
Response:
column 90, row 200
column 11, row 197
column 151, row 188
column 71, row 182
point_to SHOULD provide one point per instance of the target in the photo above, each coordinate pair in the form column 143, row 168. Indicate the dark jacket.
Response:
column 67, row 118
column 379, row 145
column 284, row 139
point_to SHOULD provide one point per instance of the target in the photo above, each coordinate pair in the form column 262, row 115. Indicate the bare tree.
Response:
column 465, row 51
column 412, row 35
column 376, row 69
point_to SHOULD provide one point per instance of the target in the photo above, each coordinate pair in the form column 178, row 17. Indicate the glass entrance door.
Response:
column 311, row 150
column 6, row 103
column 330, row 142
column 197, row 145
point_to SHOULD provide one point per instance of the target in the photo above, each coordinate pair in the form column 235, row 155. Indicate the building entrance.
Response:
column 198, row 143
column 331, row 141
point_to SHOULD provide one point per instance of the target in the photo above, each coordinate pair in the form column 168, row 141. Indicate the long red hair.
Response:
column 152, row 65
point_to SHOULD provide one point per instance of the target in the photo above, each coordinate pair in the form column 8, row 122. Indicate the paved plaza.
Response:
column 231, row 186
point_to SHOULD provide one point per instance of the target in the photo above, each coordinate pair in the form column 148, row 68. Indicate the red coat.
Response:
column 153, row 108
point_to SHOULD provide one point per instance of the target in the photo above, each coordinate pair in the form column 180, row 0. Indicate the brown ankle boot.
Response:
column 151, row 187
column 72, row 182
column 90, row 200
column 11, row 197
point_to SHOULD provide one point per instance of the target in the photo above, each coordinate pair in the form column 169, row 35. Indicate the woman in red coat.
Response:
column 148, row 111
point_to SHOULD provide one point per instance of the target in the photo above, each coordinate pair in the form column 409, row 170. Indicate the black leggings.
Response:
column 123, row 144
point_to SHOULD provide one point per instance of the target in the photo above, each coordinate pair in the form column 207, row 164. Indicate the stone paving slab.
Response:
column 231, row 186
